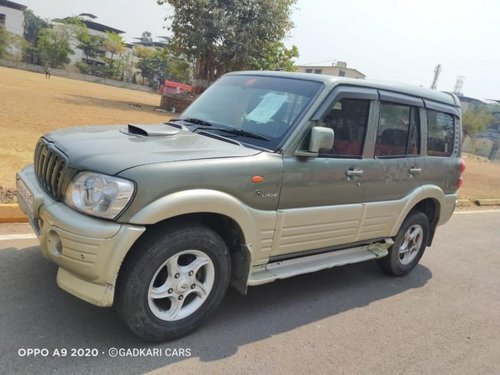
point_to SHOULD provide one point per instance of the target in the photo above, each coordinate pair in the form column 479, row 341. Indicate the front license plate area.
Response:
column 25, row 193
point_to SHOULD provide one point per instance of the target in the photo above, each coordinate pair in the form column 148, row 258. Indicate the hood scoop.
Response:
column 152, row 130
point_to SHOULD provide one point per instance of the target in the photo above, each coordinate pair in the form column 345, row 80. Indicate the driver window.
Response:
column 349, row 120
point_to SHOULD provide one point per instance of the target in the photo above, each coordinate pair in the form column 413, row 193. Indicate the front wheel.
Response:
column 173, row 281
column 409, row 245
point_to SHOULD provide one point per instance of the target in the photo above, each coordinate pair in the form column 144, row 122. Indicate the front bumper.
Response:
column 88, row 251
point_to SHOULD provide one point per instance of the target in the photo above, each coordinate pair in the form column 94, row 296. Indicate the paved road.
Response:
column 442, row 318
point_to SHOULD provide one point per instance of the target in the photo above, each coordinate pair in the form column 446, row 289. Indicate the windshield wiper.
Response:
column 241, row 132
column 205, row 125
column 195, row 121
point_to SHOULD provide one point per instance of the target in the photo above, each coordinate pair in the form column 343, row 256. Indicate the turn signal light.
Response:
column 257, row 179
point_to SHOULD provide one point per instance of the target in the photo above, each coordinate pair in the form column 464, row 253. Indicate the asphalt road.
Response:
column 443, row 318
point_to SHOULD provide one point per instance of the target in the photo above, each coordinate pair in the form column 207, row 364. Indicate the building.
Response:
column 12, row 16
column 94, row 28
column 467, row 102
column 339, row 69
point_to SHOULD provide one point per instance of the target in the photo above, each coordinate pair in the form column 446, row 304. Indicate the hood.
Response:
column 111, row 149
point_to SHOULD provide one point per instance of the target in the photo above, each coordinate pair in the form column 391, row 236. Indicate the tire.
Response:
column 409, row 245
column 173, row 281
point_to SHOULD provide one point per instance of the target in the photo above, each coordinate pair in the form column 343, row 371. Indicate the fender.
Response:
column 256, row 225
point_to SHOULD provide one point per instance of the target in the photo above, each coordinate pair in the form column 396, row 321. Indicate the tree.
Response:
column 225, row 35
column 11, row 45
column 158, row 64
column 475, row 119
column 89, row 44
column 32, row 26
column 54, row 47
column 153, row 65
column 113, row 43
column 277, row 57
column 178, row 69
column 4, row 42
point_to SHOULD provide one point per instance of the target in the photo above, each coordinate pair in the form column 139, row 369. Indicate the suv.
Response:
column 267, row 175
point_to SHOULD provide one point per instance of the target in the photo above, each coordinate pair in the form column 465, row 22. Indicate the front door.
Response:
column 321, row 198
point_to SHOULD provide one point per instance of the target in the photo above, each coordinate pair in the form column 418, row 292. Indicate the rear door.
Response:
column 396, row 148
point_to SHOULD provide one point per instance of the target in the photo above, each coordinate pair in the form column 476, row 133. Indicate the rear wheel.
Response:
column 409, row 245
column 173, row 281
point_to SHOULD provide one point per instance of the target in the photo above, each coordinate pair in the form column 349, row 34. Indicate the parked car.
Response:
column 267, row 175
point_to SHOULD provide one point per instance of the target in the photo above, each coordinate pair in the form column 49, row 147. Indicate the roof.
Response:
column 12, row 5
column 331, row 81
column 100, row 27
column 152, row 44
column 469, row 99
column 92, row 25
column 89, row 15
column 329, row 67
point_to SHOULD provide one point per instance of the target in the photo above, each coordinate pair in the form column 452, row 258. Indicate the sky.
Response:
column 390, row 40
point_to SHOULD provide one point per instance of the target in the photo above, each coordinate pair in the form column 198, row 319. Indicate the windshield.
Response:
column 264, row 106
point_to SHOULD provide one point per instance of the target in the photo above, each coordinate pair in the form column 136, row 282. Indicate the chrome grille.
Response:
column 49, row 168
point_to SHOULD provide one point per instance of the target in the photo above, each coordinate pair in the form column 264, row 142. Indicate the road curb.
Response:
column 487, row 202
column 11, row 213
column 464, row 203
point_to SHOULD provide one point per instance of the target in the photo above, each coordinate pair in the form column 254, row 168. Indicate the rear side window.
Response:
column 440, row 133
column 398, row 131
column 349, row 119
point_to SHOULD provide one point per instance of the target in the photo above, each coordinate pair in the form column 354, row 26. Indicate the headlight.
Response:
column 99, row 195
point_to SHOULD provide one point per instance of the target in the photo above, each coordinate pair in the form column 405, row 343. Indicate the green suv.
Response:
column 267, row 175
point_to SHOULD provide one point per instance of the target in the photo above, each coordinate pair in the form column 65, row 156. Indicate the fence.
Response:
column 73, row 75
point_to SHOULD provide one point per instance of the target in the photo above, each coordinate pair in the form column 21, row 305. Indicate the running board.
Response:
column 287, row 268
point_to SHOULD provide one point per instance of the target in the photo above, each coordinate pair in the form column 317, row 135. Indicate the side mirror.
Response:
column 321, row 138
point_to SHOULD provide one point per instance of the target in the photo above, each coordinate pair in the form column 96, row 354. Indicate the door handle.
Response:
column 354, row 172
column 415, row 170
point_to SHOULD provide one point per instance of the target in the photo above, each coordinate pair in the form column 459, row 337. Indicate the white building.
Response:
column 12, row 16
column 339, row 69
column 94, row 28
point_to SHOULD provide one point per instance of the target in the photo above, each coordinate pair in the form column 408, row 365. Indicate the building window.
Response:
column 2, row 19
column 318, row 71
column 341, row 73
column 309, row 70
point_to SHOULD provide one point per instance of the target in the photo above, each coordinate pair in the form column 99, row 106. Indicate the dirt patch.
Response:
column 7, row 195
column 481, row 178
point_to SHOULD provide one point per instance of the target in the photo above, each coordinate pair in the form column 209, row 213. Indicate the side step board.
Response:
column 287, row 268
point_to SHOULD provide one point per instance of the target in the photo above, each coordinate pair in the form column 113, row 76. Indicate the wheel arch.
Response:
column 432, row 209
column 433, row 202
column 197, row 201
column 226, row 227
column 237, row 224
